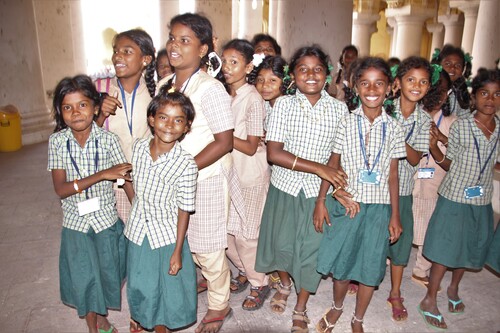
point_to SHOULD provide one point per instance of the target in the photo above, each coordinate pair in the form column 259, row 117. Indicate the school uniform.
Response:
column 253, row 174
column 425, row 195
column 461, row 229
column 416, row 134
column 493, row 259
column 287, row 239
column 356, row 249
column 90, row 261
column 455, row 107
column 162, row 187
column 129, row 123
column 207, row 233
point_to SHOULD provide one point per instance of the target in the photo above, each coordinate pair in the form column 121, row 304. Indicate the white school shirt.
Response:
column 348, row 145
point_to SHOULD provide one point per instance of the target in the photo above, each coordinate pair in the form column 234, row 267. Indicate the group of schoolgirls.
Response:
column 148, row 196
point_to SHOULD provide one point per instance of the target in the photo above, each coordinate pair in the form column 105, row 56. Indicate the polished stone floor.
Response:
column 30, row 225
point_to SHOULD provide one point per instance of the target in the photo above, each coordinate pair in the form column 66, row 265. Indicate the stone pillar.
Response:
column 453, row 27
column 437, row 31
column 249, row 18
column 363, row 26
column 470, row 10
column 410, row 22
column 486, row 47
column 306, row 24
column 391, row 21
column 273, row 17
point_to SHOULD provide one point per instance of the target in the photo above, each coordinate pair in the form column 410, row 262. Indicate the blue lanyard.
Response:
column 363, row 147
column 129, row 121
column 437, row 125
column 96, row 161
column 411, row 131
column 479, row 156
column 187, row 82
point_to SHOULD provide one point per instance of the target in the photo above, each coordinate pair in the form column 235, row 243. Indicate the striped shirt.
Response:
column 307, row 132
column 465, row 167
column 348, row 145
column 101, row 146
column 161, row 188
column 416, row 133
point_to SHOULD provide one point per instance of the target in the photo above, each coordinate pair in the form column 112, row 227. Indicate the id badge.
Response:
column 367, row 177
column 425, row 173
column 88, row 206
column 473, row 192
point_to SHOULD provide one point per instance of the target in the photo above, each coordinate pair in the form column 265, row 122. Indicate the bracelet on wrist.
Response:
column 335, row 191
column 439, row 162
column 76, row 187
column 294, row 162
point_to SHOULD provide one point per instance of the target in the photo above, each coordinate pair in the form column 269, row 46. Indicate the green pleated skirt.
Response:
column 90, row 269
column 399, row 252
column 287, row 239
column 356, row 249
column 493, row 259
column 156, row 297
column 459, row 235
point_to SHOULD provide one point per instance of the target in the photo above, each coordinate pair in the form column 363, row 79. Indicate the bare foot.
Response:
column 213, row 320
column 429, row 310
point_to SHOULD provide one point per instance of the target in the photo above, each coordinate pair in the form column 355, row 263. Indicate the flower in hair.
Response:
column 436, row 53
column 436, row 72
column 257, row 59
column 394, row 71
column 171, row 90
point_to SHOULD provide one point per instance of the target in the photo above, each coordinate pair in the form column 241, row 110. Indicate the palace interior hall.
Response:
column 42, row 41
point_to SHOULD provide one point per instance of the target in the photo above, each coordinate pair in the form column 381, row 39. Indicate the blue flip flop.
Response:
column 426, row 314
column 454, row 306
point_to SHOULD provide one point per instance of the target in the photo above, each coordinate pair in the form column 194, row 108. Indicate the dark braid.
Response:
column 459, row 87
column 149, row 77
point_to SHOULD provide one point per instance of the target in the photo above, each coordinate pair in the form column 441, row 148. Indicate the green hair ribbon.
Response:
column 436, row 53
column 329, row 79
column 436, row 73
column 330, row 67
column 468, row 58
column 394, row 71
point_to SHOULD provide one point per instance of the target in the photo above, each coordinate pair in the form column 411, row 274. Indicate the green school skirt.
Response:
column 399, row 252
column 156, row 297
column 287, row 239
column 90, row 270
column 493, row 259
column 356, row 249
column 459, row 235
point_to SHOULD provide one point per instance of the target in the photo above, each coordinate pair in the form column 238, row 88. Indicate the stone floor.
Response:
column 30, row 224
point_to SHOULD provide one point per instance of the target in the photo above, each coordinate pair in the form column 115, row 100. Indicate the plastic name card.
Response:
column 367, row 177
column 88, row 206
column 473, row 192
column 425, row 173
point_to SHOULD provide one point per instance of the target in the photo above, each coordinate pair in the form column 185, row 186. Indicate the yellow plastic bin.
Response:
column 10, row 129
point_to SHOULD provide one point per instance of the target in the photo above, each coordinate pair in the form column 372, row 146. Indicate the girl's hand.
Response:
column 175, row 263
column 117, row 171
column 334, row 176
column 320, row 215
column 395, row 229
column 345, row 198
column 109, row 105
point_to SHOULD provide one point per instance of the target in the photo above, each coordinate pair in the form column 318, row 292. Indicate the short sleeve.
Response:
column 186, row 190
column 255, row 118
column 453, row 141
column 217, row 109
column 55, row 160
column 420, row 142
column 339, row 142
column 397, row 144
column 276, row 130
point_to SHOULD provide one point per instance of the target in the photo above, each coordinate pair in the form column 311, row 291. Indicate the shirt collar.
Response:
column 95, row 133
column 302, row 98
column 384, row 117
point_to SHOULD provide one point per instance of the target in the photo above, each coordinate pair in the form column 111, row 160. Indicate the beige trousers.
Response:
column 422, row 266
column 215, row 269
column 242, row 253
